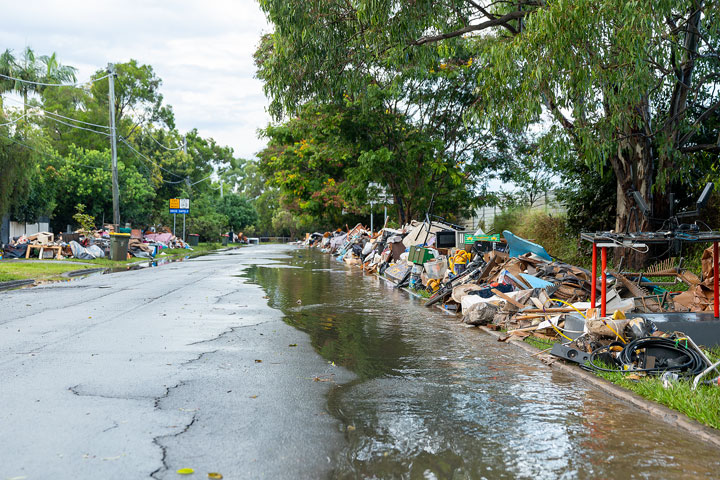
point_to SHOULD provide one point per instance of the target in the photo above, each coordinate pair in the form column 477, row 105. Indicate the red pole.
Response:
column 603, row 292
column 593, row 289
column 716, row 286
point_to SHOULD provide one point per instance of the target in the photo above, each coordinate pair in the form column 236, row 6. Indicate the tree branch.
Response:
column 502, row 21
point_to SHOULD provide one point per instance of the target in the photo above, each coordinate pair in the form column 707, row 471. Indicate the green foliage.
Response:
column 239, row 211
column 15, row 169
column 84, row 176
column 205, row 219
column 611, row 84
column 550, row 231
column 86, row 222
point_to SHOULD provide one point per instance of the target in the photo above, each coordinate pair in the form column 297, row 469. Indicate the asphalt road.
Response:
column 138, row 374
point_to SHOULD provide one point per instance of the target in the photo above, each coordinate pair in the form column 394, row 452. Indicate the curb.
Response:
column 672, row 417
column 86, row 271
column 15, row 284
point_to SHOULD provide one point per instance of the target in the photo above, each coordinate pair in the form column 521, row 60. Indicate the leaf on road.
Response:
column 214, row 475
column 293, row 345
column 186, row 471
column 253, row 396
column 258, row 361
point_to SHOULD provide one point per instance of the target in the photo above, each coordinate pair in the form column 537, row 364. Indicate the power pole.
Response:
column 185, row 144
column 113, row 148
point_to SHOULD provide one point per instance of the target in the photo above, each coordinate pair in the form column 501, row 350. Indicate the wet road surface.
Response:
column 434, row 399
column 138, row 374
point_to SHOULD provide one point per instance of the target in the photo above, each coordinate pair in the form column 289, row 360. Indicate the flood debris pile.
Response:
column 507, row 283
column 90, row 245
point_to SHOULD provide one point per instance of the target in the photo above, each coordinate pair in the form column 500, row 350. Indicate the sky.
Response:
column 202, row 51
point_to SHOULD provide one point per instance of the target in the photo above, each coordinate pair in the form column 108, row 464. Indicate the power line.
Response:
column 163, row 146
column 47, row 155
column 202, row 179
column 78, row 126
column 14, row 121
column 42, row 84
column 57, row 114
column 151, row 161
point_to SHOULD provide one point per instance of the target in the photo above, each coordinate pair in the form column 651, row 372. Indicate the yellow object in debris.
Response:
column 619, row 315
column 433, row 285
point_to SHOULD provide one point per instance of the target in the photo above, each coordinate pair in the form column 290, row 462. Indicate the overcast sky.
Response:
column 202, row 50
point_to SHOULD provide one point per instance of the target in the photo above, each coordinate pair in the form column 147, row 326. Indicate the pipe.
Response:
column 593, row 291
column 603, row 286
column 716, row 281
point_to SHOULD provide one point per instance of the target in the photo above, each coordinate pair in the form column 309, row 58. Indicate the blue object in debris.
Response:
column 534, row 281
column 519, row 246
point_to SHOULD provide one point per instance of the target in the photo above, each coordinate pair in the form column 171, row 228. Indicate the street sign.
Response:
column 180, row 205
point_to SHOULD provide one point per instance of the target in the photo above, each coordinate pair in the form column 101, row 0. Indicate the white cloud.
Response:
column 201, row 50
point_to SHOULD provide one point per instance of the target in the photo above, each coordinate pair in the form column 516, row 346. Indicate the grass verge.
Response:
column 702, row 404
column 47, row 270
column 35, row 270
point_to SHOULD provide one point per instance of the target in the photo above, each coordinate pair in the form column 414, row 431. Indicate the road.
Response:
column 138, row 374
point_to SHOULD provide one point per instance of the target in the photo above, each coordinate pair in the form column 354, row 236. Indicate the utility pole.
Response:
column 221, row 189
column 113, row 148
column 185, row 144
column 371, row 218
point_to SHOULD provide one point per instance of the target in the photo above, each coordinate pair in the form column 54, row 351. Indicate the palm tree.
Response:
column 55, row 72
column 29, row 69
column 32, row 68
column 8, row 65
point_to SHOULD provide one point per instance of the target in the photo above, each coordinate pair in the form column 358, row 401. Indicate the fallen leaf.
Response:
column 258, row 361
column 293, row 345
column 186, row 471
column 253, row 396
column 214, row 475
column 350, row 428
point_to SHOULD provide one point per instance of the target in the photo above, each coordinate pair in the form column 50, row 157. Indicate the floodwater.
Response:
column 436, row 400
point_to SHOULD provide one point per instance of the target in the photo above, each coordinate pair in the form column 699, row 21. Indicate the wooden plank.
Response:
column 507, row 298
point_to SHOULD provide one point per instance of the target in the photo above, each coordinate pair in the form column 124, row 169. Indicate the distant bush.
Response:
column 550, row 231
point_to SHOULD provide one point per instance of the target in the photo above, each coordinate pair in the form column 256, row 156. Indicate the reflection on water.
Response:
column 436, row 400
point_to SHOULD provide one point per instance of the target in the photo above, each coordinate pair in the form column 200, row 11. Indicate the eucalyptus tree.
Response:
column 618, row 84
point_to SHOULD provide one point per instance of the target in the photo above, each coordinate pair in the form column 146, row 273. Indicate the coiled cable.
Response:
column 683, row 360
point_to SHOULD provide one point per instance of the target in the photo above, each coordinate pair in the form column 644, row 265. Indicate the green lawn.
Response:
column 702, row 404
column 10, row 270
column 46, row 270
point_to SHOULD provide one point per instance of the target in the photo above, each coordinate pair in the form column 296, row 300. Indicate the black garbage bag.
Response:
column 15, row 251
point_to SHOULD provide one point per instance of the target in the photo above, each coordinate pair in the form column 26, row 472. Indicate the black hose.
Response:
column 683, row 359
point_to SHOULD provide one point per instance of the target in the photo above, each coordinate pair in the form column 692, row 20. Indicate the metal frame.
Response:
column 606, row 240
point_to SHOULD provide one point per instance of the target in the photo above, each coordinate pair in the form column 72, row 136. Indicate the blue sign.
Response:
column 180, row 210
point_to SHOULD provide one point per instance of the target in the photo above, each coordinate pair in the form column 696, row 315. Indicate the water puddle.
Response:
column 433, row 399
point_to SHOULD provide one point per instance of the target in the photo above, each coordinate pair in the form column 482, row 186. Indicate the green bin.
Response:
column 225, row 240
column 119, row 246
column 193, row 239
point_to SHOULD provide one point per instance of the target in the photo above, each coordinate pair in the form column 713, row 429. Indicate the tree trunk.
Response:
column 633, row 171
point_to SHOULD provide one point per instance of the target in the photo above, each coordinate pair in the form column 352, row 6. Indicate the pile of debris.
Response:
column 511, row 284
column 90, row 245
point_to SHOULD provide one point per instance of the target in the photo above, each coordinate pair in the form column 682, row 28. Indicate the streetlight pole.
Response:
column 113, row 147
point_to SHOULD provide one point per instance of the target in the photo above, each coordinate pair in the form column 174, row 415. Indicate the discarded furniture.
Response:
column 42, row 248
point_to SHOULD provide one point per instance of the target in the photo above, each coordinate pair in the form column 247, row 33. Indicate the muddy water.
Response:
column 436, row 400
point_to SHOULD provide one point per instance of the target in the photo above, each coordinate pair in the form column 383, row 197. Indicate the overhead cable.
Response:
column 151, row 161
column 43, row 84
column 54, row 157
column 34, row 107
